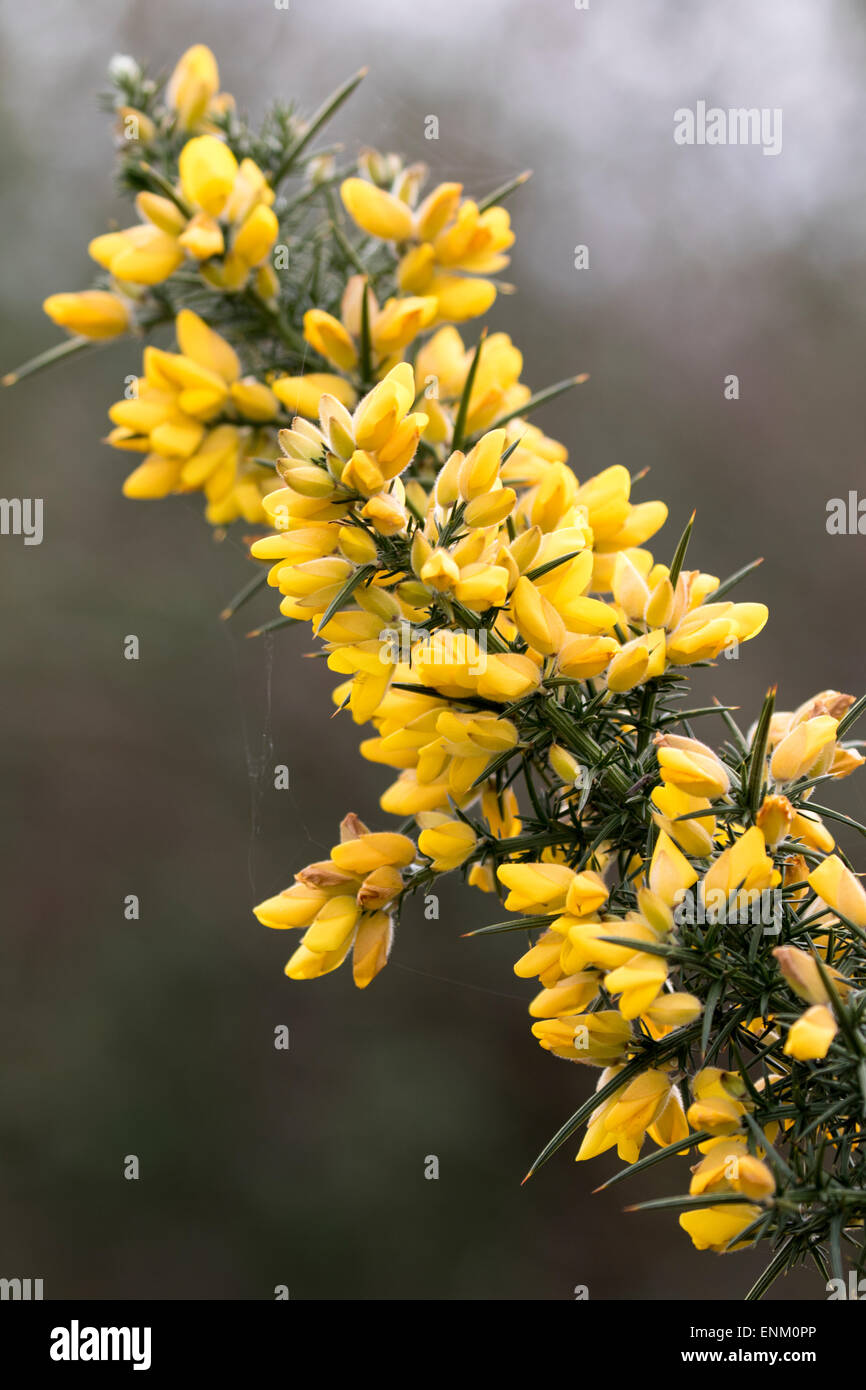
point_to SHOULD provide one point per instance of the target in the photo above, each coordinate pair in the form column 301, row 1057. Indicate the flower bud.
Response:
column 802, row 974
column 565, row 765
column 775, row 818
column 96, row 314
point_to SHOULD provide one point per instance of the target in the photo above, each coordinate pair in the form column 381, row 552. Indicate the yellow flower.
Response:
column 193, row 86
column 535, row 887
column 168, row 416
column 143, row 255
column 809, row 1038
column 692, row 766
column 587, row 941
column 340, row 902
column 694, row 835
column 228, row 227
column 542, row 960
column 362, row 853
column 729, row 1167
column 565, row 765
column 447, row 239
column 670, row 872
column 717, row 1228
column 378, row 213
column 840, row 890
column 802, row 974
column 670, row 1011
column 775, row 818
column 598, row 1039
column 707, row 630
column 365, row 452
column 208, row 170
column 637, row 982
column 616, row 523
column 500, row 811
column 442, row 367
column 294, row 907
column 637, row 661
column 625, row 1118
column 806, row 751
column 446, row 842
column 718, row 1105
column 583, row 656
column 586, row 894
column 491, row 509
column 739, row 875
column 536, row 619
column 372, row 947
column 330, row 339
column 392, row 328
column 569, row 993
column 302, row 395
column 90, row 313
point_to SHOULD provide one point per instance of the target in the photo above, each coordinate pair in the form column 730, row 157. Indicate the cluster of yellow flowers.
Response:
column 341, row 901
column 200, row 423
column 527, row 578
column 579, row 962
column 218, row 215
column 489, row 614
column 505, row 539
column 448, row 246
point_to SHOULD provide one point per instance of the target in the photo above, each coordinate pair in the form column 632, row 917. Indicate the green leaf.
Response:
column 243, row 595
column 513, row 924
column 777, row 1266
column 656, row 1157
column 551, row 565
column 734, row 729
column 705, row 1199
column 649, row 948
column 772, row 1154
column 47, row 358
column 463, row 408
column 351, row 584
column 733, row 579
column 366, row 345
column 500, row 194
column 345, row 244
column 324, row 113
column 709, row 1009
column 273, row 625
column 851, row 717
column 755, row 783
column 836, row 815
column 680, row 552
column 540, row 398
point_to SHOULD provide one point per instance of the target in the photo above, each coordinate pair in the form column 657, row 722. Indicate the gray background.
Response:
column 155, row 778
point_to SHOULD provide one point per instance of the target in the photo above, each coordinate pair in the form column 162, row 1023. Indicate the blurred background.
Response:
column 155, row 1038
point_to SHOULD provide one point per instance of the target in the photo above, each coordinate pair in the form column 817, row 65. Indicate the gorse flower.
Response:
column 220, row 217
column 92, row 313
column 193, row 91
column 517, row 652
column 449, row 246
column 342, row 902
column 199, row 424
